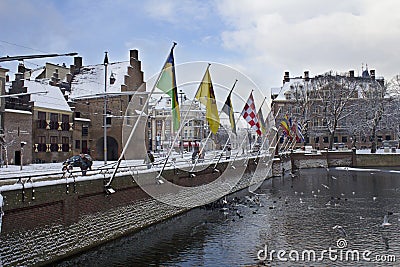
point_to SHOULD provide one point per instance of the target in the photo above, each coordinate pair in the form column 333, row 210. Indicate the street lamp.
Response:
column 181, row 93
column 23, row 143
column 105, row 108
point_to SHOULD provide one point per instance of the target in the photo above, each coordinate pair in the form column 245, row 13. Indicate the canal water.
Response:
column 316, row 217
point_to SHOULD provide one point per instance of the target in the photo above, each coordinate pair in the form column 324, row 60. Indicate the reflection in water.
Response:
column 312, row 210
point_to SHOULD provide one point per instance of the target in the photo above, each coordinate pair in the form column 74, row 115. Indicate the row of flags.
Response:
column 292, row 129
column 205, row 95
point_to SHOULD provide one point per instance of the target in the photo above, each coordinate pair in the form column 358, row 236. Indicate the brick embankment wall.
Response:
column 377, row 160
column 323, row 159
column 52, row 222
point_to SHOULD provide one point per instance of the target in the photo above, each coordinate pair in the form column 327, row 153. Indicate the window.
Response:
column 387, row 137
column 53, row 143
column 344, row 139
column 53, row 121
column 77, row 144
column 108, row 118
column 326, row 139
column 77, row 114
column 159, row 123
column 65, row 144
column 85, row 130
column 41, row 144
column 84, row 147
column 65, row 122
column 335, row 139
column 41, row 123
column 317, row 139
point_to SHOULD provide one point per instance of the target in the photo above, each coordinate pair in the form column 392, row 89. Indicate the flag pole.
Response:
column 180, row 130
column 137, row 121
column 209, row 134
column 269, row 131
column 262, row 103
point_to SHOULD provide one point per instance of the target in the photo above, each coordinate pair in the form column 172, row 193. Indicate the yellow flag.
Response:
column 205, row 94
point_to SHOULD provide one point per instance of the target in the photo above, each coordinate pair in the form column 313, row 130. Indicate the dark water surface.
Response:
column 294, row 215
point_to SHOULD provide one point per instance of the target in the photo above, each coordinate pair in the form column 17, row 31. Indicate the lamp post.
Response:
column 23, row 143
column 105, row 108
column 181, row 93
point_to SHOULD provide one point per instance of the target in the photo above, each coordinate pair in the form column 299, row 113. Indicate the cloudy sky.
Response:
column 260, row 38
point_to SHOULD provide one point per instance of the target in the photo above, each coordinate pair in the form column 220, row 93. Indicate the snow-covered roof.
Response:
column 18, row 111
column 44, row 95
column 286, row 88
column 35, row 73
column 90, row 81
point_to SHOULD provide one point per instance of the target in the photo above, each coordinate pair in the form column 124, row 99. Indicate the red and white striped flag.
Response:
column 250, row 115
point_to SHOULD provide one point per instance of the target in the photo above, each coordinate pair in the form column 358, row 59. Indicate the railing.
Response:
column 22, row 177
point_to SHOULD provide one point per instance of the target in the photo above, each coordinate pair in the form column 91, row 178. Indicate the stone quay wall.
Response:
column 377, row 160
column 322, row 159
column 45, row 224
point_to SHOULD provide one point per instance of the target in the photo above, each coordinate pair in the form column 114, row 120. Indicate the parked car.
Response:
column 84, row 161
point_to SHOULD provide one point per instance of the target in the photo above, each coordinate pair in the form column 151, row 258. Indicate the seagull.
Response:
column 324, row 185
column 354, row 193
column 301, row 201
column 386, row 221
column 374, row 198
column 224, row 201
column 340, row 230
column 333, row 177
column 328, row 204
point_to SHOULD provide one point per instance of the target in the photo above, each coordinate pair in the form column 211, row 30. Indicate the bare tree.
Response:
column 376, row 99
column 335, row 94
column 303, row 98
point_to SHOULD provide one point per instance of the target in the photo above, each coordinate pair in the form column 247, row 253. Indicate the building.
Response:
column 310, row 100
column 37, row 115
column 160, row 134
column 50, row 117
column 126, row 94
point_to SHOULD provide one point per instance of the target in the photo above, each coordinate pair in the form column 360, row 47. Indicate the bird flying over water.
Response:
column 324, row 185
column 340, row 230
column 386, row 221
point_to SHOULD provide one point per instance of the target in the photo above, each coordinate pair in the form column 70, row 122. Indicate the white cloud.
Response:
column 182, row 13
column 274, row 36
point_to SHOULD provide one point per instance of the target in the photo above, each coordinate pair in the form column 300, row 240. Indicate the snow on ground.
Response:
column 378, row 151
column 13, row 171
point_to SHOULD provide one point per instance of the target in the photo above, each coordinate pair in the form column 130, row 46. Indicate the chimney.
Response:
column 74, row 69
column 286, row 77
column 78, row 62
column 306, row 76
column 351, row 73
column 54, row 79
column 372, row 73
column 7, row 78
column 21, row 68
column 19, row 76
